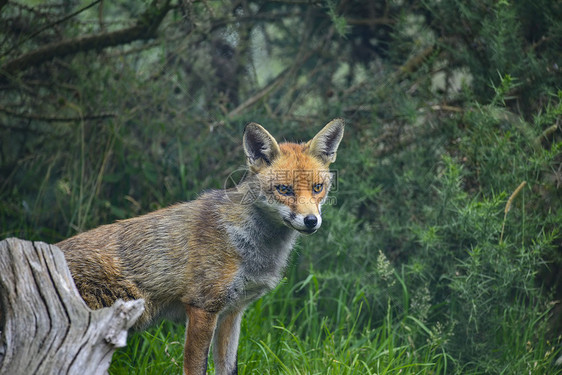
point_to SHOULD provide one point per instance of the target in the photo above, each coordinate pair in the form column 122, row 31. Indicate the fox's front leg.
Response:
column 198, row 336
column 225, row 342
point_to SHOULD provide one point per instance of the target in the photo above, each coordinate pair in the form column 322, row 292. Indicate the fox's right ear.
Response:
column 259, row 146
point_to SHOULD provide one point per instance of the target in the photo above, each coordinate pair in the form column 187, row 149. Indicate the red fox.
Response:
column 211, row 257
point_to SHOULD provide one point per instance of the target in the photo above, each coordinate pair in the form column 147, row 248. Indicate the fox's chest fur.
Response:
column 264, row 248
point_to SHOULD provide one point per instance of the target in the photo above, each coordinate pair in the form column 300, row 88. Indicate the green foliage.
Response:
column 442, row 249
column 285, row 334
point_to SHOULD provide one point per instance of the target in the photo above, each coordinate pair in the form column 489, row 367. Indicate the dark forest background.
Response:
column 446, row 226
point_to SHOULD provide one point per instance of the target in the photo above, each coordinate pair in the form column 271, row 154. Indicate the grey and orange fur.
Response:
column 211, row 257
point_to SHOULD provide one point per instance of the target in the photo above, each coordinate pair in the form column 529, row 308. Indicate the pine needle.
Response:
column 513, row 195
column 508, row 205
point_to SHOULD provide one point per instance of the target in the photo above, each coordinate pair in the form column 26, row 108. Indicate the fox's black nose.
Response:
column 310, row 221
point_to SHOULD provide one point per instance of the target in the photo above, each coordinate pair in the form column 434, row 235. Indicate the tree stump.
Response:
column 45, row 326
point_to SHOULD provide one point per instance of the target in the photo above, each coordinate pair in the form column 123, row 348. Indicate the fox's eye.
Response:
column 285, row 190
column 318, row 188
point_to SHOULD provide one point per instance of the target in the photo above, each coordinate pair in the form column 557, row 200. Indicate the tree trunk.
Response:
column 45, row 326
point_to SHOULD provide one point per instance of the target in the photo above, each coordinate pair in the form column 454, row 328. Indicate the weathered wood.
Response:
column 45, row 326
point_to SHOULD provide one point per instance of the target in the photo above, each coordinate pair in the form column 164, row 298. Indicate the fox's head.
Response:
column 294, row 179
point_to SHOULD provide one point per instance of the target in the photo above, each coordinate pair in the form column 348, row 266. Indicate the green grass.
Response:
column 284, row 334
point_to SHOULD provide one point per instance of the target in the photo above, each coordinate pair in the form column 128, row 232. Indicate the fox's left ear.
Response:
column 325, row 144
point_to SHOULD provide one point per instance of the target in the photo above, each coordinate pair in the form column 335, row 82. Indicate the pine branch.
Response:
column 145, row 28
column 2, row 4
column 414, row 63
column 57, row 22
column 30, row 116
column 370, row 21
